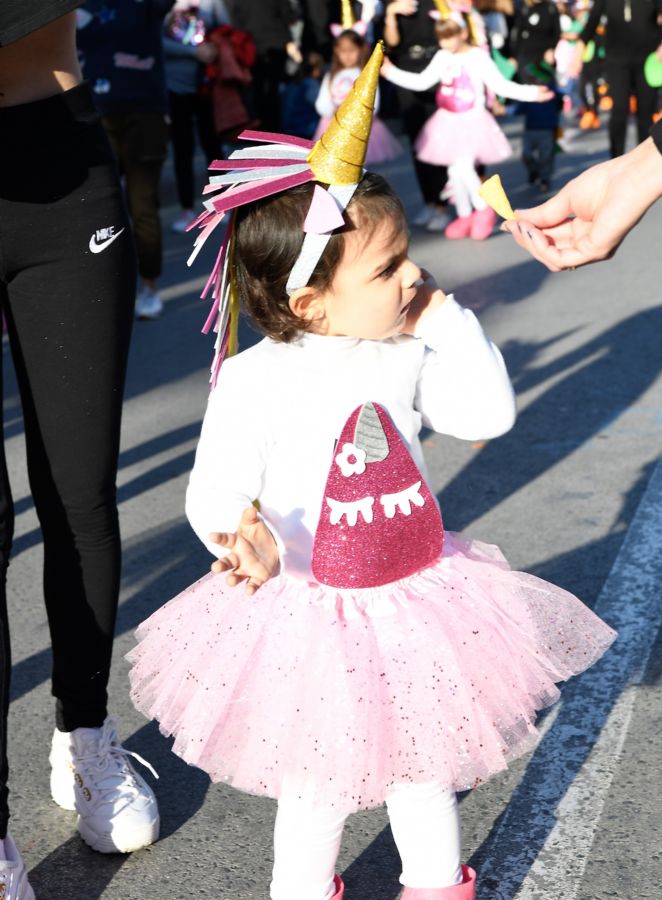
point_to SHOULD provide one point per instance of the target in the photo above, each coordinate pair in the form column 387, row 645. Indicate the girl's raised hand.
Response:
column 253, row 554
column 544, row 94
column 429, row 298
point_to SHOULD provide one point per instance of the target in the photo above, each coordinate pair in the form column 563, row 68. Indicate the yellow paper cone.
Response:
column 339, row 155
column 443, row 8
column 494, row 195
column 347, row 15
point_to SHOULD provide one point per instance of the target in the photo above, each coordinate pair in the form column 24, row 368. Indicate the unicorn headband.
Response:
column 276, row 164
column 348, row 21
column 460, row 14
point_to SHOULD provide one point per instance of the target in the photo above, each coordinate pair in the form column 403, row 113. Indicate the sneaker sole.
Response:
column 125, row 843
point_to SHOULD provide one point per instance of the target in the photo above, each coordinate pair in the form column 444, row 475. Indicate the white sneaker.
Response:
column 148, row 304
column 183, row 221
column 438, row 222
column 91, row 773
column 423, row 216
column 14, row 884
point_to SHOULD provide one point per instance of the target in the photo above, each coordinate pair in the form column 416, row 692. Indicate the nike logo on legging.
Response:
column 103, row 238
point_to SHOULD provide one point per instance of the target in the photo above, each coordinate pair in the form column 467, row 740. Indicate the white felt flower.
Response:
column 351, row 460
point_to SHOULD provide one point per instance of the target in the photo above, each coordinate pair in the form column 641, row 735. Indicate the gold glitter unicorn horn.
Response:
column 347, row 19
column 338, row 156
column 494, row 195
column 443, row 8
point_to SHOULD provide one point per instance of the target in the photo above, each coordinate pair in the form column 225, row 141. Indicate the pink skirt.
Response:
column 382, row 145
column 449, row 136
column 341, row 694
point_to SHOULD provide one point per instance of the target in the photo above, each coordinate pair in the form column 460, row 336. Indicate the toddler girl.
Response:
column 462, row 132
column 350, row 51
column 355, row 653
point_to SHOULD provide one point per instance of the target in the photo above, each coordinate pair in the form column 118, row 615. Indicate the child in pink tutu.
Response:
column 350, row 50
column 462, row 132
column 354, row 653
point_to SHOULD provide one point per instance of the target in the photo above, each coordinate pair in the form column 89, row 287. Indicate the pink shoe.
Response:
column 482, row 223
column 460, row 228
column 339, row 886
column 464, row 891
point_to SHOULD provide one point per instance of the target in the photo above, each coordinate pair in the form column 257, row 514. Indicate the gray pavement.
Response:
column 579, row 819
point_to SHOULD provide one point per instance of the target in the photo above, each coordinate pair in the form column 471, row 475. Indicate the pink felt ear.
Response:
column 324, row 215
column 361, row 27
column 335, row 29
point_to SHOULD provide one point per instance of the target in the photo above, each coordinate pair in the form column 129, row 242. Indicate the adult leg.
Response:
column 204, row 117
column 6, row 533
column 618, row 77
column 69, row 314
column 426, row 828
column 546, row 155
column 306, row 845
column 646, row 100
column 415, row 111
column 529, row 155
column 144, row 151
column 183, row 145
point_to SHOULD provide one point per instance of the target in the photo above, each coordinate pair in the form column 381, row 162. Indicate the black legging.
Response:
column 69, row 313
column 625, row 78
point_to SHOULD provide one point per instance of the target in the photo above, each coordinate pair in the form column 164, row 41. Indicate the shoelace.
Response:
column 109, row 755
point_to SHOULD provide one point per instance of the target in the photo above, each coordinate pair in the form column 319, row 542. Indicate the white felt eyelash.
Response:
column 351, row 510
column 402, row 500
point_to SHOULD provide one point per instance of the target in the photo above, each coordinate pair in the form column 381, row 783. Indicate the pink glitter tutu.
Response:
column 448, row 136
column 382, row 145
column 339, row 694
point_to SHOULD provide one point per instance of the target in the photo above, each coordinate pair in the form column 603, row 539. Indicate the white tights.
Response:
column 426, row 827
column 465, row 185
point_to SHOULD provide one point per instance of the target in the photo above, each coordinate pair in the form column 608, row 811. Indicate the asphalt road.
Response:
column 571, row 494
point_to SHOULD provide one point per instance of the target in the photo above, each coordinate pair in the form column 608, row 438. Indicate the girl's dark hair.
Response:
column 267, row 242
column 359, row 42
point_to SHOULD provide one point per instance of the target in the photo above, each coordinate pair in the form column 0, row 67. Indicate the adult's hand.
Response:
column 588, row 219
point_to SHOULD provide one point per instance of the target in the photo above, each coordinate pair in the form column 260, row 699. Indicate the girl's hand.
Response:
column 429, row 298
column 402, row 7
column 544, row 93
column 253, row 555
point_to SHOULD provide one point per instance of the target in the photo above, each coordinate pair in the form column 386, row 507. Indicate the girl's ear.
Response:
column 307, row 304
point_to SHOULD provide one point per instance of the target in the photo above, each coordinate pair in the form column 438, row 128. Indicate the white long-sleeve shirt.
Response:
column 272, row 422
column 334, row 89
column 445, row 67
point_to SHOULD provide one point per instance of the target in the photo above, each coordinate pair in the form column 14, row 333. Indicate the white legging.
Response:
column 465, row 184
column 426, row 827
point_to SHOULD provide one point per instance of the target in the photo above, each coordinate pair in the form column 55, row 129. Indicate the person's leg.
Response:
column 426, row 828
column 183, row 145
column 204, row 117
column 306, row 845
column 618, row 77
column 646, row 100
column 6, row 533
column 529, row 155
column 546, row 155
column 415, row 110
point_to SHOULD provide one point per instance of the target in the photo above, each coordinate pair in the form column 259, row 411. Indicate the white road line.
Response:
column 541, row 846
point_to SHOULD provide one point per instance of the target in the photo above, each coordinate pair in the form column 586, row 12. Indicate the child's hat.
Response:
column 276, row 164
column 348, row 21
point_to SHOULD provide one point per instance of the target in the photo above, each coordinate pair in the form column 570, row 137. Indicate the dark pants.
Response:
column 538, row 150
column 140, row 143
column 190, row 113
column 67, row 284
column 626, row 78
column 415, row 110
column 268, row 74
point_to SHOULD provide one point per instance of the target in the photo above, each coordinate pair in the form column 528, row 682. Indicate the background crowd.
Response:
column 197, row 72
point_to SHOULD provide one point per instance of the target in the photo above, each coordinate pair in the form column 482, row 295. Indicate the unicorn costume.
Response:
column 387, row 651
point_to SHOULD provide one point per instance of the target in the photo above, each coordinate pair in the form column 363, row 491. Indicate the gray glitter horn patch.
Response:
column 369, row 435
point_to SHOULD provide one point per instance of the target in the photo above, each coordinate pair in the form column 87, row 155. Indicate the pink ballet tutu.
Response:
column 448, row 136
column 339, row 694
column 382, row 145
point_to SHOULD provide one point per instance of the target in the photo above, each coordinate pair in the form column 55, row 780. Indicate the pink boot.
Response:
column 482, row 223
column 460, row 227
column 464, row 891
column 339, row 886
